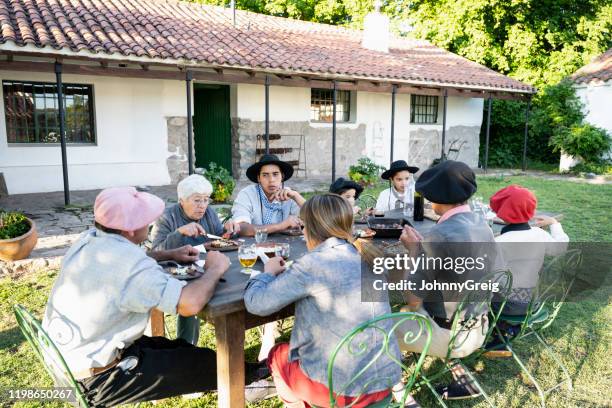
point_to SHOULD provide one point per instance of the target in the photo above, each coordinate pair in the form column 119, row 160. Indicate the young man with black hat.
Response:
column 399, row 192
column 459, row 234
column 267, row 202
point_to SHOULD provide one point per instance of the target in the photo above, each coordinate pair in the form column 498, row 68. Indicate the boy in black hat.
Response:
column 459, row 234
column 268, row 202
column 400, row 192
column 349, row 190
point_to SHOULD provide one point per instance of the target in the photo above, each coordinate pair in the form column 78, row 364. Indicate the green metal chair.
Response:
column 354, row 347
column 478, row 301
column 351, row 343
column 554, row 284
column 48, row 353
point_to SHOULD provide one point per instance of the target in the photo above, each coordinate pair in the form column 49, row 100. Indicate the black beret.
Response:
column 450, row 182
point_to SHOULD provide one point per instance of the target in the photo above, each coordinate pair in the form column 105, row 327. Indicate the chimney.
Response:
column 376, row 30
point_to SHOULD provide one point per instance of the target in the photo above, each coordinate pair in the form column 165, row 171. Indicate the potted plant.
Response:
column 17, row 236
column 222, row 181
column 365, row 172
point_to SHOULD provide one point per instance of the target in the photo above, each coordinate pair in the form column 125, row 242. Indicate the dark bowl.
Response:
column 387, row 227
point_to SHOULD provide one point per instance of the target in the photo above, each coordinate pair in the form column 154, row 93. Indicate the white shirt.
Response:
column 386, row 199
column 248, row 208
column 102, row 298
column 524, row 253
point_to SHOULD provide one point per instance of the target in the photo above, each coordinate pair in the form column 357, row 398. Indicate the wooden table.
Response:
column 226, row 311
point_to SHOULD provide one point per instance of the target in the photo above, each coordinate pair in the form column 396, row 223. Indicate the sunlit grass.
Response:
column 582, row 334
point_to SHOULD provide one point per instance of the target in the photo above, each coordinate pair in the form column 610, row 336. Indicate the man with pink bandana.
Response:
column 100, row 304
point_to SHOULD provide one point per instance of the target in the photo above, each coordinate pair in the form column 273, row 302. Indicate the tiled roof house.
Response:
column 128, row 65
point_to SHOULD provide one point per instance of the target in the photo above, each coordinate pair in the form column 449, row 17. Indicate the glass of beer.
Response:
column 247, row 255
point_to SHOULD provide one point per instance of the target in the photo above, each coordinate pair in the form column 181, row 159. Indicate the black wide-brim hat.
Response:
column 450, row 182
column 253, row 171
column 343, row 184
column 397, row 166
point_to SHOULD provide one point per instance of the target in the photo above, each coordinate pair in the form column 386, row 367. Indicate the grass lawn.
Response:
column 582, row 334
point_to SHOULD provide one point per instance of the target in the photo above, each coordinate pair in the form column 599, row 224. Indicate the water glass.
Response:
column 261, row 234
column 283, row 249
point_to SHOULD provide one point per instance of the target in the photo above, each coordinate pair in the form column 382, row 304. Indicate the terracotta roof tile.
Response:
column 599, row 70
column 170, row 29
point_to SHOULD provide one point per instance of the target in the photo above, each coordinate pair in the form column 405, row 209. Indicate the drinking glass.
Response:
column 247, row 255
column 283, row 249
column 261, row 234
column 408, row 209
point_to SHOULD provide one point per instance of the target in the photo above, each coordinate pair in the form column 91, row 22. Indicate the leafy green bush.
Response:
column 365, row 172
column 585, row 141
column 556, row 123
column 507, row 136
column 13, row 224
column 603, row 168
column 222, row 181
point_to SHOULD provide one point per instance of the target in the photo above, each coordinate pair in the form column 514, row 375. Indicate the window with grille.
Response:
column 423, row 109
column 322, row 105
column 32, row 114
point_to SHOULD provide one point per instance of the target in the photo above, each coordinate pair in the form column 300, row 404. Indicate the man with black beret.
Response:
column 458, row 234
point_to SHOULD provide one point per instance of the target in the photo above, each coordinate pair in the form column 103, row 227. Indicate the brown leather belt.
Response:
column 93, row 371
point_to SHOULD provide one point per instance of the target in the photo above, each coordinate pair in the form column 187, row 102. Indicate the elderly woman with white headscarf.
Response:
column 188, row 222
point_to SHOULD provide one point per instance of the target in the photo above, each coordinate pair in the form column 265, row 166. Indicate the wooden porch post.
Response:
column 334, row 99
column 526, row 133
column 393, row 93
column 188, row 79
column 267, row 103
column 62, row 126
column 486, row 158
column 443, row 155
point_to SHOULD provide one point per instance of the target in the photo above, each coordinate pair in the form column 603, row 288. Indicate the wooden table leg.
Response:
column 229, row 330
column 157, row 323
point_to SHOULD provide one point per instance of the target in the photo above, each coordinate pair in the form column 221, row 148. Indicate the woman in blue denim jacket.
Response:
column 325, row 285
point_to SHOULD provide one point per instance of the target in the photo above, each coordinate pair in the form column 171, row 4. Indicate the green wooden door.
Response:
column 212, row 125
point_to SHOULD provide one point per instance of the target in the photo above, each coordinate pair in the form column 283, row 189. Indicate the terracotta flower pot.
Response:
column 19, row 248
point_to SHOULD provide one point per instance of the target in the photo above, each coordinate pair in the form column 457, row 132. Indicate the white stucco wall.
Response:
column 372, row 109
column 597, row 99
column 131, row 137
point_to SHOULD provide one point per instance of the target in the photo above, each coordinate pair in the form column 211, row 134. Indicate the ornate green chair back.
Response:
column 554, row 284
column 481, row 301
column 47, row 352
column 386, row 325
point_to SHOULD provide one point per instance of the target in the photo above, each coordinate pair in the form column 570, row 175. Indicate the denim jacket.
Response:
column 325, row 285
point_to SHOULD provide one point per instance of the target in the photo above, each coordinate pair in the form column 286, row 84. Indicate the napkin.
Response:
column 200, row 248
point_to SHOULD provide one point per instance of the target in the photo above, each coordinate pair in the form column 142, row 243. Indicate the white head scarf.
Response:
column 194, row 184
